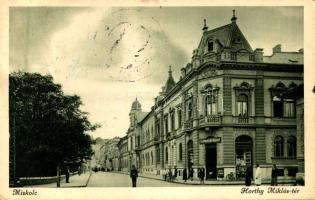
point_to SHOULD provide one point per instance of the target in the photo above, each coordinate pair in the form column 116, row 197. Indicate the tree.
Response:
column 48, row 127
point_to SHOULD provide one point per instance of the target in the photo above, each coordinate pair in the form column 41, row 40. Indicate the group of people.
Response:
column 257, row 177
column 171, row 174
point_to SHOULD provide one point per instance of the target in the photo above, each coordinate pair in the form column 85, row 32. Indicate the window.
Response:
column 289, row 108
column 179, row 112
column 166, row 155
column 211, row 103
column 172, row 121
column 158, row 130
column 233, row 56
column 180, row 150
column 277, row 107
column 189, row 110
column 242, row 105
column 291, row 145
column 278, row 146
column 166, row 124
column 158, row 155
column 190, row 152
column 151, row 158
column 210, row 45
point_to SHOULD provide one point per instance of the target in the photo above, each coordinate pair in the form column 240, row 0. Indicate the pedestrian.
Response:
column 185, row 175
column 198, row 174
column 191, row 174
column 170, row 175
column 274, row 175
column 164, row 174
column 257, row 175
column 248, row 175
column 134, row 176
column 67, row 174
column 175, row 172
column 202, row 175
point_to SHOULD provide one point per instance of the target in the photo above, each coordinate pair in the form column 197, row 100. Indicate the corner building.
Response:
column 226, row 111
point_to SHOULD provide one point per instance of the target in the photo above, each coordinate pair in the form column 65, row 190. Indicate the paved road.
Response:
column 108, row 179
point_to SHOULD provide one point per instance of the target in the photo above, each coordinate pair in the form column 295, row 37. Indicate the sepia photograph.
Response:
column 156, row 96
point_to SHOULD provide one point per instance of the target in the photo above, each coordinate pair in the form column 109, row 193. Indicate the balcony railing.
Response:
column 188, row 124
column 211, row 120
column 243, row 120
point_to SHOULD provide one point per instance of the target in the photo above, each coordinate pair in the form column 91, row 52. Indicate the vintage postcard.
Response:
column 157, row 100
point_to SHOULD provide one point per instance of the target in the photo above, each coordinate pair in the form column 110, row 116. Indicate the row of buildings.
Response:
column 231, row 107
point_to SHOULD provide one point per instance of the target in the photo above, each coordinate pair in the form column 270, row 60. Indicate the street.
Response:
column 108, row 179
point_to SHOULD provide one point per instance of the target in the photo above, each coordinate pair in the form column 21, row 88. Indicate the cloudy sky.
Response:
column 110, row 56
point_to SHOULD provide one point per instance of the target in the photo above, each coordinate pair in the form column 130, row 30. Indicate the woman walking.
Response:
column 257, row 175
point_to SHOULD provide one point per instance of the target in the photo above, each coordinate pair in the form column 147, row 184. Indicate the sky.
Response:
column 110, row 56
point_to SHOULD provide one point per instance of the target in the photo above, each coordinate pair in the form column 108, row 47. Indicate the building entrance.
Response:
column 244, row 155
column 211, row 161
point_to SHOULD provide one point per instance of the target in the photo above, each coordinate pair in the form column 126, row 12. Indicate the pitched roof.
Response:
column 227, row 36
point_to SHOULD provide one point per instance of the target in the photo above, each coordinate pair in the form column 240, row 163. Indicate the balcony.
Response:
column 243, row 120
column 188, row 124
column 211, row 120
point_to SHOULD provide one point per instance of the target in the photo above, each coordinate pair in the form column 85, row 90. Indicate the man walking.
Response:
column 274, row 175
column 134, row 175
column 185, row 175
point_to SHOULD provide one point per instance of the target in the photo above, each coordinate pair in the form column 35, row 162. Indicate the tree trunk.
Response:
column 58, row 175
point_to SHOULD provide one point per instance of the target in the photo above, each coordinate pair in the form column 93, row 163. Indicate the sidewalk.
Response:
column 195, row 180
column 74, row 181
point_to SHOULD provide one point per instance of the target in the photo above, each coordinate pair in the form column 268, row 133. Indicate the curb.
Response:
column 187, row 183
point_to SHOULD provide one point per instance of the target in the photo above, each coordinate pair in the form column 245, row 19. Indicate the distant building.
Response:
column 226, row 111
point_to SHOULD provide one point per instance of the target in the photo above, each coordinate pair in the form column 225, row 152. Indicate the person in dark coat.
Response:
column 185, row 175
column 175, row 172
column 274, row 175
column 191, row 174
column 67, row 174
column 202, row 175
column 248, row 175
column 134, row 176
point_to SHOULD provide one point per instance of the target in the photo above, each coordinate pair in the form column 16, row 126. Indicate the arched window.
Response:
column 180, row 150
column 166, row 155
column 278, row 146
column 190, row 152
column 291, row 145
column 242, row 105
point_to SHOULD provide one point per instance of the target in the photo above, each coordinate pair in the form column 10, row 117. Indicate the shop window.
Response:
column 243, row 149
column 280, row 172
column 242, row 105
column 292, row 171
column 291, row 145
column 278, row 146
column 180, row 149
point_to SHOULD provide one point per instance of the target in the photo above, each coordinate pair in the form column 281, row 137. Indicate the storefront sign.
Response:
column 211, row 140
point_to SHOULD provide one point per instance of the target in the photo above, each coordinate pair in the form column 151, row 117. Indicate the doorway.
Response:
column 211, row 161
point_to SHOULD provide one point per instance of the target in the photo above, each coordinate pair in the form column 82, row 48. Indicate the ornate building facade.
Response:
column 226, row 111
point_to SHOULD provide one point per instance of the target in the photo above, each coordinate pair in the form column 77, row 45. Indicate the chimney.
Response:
column 276, row 49
column 301, row 50
column 259, row 55
column 205, row 27
column 183, row 72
